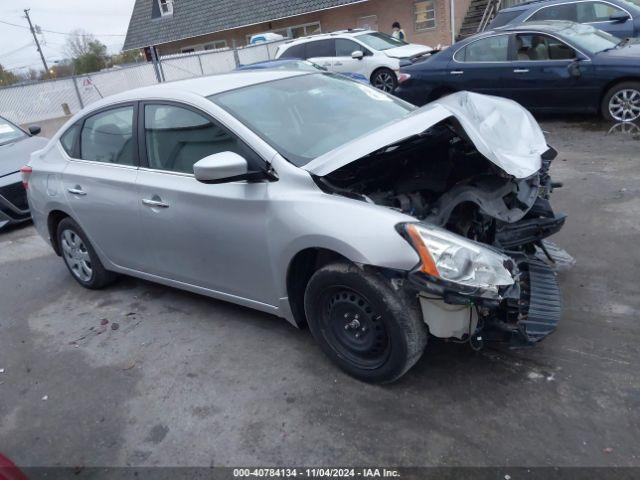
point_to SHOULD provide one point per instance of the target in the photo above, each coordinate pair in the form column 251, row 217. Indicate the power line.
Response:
column 30, row 44
column 68, row 33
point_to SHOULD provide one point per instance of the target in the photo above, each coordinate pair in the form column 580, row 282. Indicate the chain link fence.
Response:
column 50, row 99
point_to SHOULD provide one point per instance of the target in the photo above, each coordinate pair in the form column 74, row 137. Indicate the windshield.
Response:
column 9, row 132
column 380, row 41
column 306, row 116
column 589, row 39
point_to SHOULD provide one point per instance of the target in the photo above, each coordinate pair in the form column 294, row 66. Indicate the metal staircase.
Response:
column 480, row 13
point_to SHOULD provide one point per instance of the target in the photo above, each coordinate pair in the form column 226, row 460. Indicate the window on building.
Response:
column 166, row 7
column 215, row 45
column 425, row 15
column 305, row 30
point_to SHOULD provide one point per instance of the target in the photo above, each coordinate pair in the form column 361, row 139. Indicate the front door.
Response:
column 345, row 63
column 598, row 14
column 209, row 236
column 100, row 184
column 541, row 77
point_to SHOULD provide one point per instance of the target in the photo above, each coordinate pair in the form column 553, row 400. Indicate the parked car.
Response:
column 375, row 55
column 16, row 146
column 546, row 66
column 304, row 65
column 621, row 18
column 369, row 220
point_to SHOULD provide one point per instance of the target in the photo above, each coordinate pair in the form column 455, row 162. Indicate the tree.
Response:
column 87, row 53
column 7, row 77
column 124, row 57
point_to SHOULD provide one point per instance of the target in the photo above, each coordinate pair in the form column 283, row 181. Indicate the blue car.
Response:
column 294, row 64
column 545, row 66
column 620, row 18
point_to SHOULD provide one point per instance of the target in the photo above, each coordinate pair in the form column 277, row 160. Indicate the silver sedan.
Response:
column 318, row 199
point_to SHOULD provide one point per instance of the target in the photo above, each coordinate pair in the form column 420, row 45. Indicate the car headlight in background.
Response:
column 456, row 259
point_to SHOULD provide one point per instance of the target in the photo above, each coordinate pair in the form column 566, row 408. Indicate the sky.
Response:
column 107, row 20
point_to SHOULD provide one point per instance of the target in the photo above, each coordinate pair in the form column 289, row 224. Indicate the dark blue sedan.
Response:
column 546, row 66
column 620, row 18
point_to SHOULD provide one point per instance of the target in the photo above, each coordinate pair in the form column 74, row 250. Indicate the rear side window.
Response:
column 295, row 51
column 557, row 12
column 321, row 48
column 68, row 139
column 504, row 18
column 108, row 137
column 176, row 138
column 491, row 49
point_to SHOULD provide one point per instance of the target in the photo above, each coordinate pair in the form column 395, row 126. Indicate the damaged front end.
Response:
column 473, row 171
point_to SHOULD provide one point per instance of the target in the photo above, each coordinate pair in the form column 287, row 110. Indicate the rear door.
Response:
column 100, row 182
column 209, row 236
column 480, row 65
column 321, row 52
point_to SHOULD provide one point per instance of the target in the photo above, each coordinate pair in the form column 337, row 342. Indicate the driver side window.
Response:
column 537, row 47
column 176, row 138
column 344, row 48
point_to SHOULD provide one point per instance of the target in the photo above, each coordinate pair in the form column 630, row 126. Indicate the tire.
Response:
column 370, row 331
column 80, row 257
column 384, row 79
column 622, row 102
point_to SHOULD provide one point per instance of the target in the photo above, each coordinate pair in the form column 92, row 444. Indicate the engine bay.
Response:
column 439, row 177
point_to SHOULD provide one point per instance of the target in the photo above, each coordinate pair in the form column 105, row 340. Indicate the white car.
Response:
column 373, row 54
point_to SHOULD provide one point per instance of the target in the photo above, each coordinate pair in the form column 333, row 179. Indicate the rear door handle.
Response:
column 457, row 72
column 154, row 203
column 76, row 191
column 521, row 70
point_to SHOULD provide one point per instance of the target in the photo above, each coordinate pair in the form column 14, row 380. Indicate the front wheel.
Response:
column 366, row 328
column 384, row 79
column 622, row 102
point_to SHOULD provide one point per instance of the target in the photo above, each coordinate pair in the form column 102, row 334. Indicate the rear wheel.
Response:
column 367, row 329
column 80, row 257
column 622, row 102
column 384, row 79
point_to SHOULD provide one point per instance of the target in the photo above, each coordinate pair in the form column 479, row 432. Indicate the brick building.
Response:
column 190, row 25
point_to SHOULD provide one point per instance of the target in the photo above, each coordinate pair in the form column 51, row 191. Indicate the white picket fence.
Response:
column 50, row 99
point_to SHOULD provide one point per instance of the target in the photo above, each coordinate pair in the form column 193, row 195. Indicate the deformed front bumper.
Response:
column 520, row 315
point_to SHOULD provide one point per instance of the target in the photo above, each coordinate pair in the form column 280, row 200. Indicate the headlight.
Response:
column 456, row 259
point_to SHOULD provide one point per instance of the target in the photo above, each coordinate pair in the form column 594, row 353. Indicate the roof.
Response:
column 337, row 34
column 192, row 18
column 543, row 25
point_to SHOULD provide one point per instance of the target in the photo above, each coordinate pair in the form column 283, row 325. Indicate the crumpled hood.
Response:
column 407, row 51
column 503, row 131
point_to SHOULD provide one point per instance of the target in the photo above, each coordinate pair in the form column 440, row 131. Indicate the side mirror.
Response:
column 221, row 167
column 34, row 130
column 574, row 68
column 619, row 17
column 357, row 55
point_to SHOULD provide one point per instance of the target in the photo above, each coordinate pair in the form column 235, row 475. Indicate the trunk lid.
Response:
column 503, row 131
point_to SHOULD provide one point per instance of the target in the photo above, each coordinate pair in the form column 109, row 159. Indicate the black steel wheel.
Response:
column 370, row 330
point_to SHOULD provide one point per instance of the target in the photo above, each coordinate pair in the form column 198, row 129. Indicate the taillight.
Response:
column 26, row 172
column 403, row 77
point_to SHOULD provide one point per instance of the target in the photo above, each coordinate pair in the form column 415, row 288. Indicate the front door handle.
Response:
column 457, row 72
column 338, row 64
column 76, row 191
column 154, row 203
column 521, row 70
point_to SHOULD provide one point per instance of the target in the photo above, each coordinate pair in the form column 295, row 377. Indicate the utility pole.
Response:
column 33, row 31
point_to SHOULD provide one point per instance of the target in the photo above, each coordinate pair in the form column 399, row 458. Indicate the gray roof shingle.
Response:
column 192, row 18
